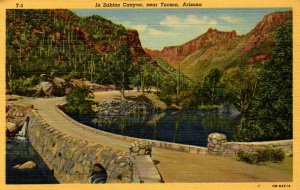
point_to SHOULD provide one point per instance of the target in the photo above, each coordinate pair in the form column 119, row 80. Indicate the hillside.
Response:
column 176, row 54
column 218, row 49
column 41, row 41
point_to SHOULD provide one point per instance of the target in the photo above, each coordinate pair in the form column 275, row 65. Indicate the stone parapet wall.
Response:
column 231, row 148
column 72, row 160
column 218, row 145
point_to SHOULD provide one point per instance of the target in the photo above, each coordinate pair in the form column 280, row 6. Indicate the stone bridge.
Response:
column 72, row 159
column 74, row 151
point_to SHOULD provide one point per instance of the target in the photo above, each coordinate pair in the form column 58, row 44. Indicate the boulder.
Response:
column 26, row 166
column 12, row 127
column 16, row 116
column 45, row 87
column 59, row 82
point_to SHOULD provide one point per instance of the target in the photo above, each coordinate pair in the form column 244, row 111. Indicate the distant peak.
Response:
column 212, row 30
column 215, row 30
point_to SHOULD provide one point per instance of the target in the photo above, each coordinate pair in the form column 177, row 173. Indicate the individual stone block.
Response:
column 140, row 147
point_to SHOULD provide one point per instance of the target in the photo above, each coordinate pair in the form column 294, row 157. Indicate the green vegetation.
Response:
column 94, row 48
column 23, row 86
column 261, row 156
column 240, row 85
column 262, row 92
column 79, row 101
column 148, row 76
column 212, row 90
column 269, row 115
column 206, row 59
column 39, row 41
column 121, row 68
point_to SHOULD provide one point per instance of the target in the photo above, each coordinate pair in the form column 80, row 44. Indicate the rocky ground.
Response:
column 15, row 118
column 140, row 105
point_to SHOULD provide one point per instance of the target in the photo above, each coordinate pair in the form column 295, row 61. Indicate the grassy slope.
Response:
column 198, row 64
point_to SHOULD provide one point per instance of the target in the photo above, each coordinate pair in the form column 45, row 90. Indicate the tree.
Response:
column 240, row 86
column 269, row 116
column 148, row 76
column 121, row 68
column 177, row 83
column 211, row 88
column 79, row 100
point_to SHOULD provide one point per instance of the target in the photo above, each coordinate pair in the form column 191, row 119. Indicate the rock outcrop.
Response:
column 94, row 86
column 16, row 116
column 11, row 127
column 263, row 30
column 44, row 87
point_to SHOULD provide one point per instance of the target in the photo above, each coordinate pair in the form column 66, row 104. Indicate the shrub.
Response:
column 168, row 99
column 250, row 158
column 23, row 86
column 79, row 101
column 275, row 155
column 74, row 74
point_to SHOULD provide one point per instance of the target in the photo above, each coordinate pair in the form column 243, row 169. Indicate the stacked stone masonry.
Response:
column 72, row 160
column 215, row 141
column 231, row 148
column 218, row 145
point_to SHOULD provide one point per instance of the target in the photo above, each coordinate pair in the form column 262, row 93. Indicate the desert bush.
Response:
column 23, row 86
column 248, row 157
column 271, row 154
column 275, row 155
column 79, row 101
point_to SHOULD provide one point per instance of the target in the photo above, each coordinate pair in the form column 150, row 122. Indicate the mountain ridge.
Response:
column 175, row 54
column 224, row 49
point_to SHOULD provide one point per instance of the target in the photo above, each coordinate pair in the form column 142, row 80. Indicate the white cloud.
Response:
column 175, row 21
column 231, row 19
column 170, row 20
column 155, row 32
column 193, row 20
column 140, row 28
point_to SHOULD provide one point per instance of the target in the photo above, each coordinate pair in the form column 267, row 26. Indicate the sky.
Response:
column 168, row 27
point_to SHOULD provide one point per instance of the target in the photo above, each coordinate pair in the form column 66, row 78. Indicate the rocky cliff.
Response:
column 262, row 32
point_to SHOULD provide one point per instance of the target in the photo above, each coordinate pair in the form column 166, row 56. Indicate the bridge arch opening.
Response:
column 98, row 174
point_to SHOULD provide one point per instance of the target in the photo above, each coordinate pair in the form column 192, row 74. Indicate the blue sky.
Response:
column 166, row 27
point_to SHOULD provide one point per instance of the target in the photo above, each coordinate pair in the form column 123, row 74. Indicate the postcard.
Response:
column 149, row 94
